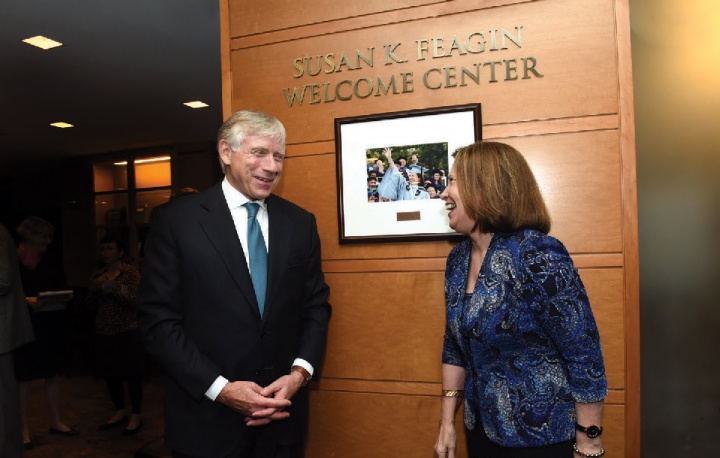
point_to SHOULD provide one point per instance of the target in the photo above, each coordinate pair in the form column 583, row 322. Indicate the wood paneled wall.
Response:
column 378, row 395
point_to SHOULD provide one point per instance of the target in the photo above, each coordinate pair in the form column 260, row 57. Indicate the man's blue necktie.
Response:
column 258, row 254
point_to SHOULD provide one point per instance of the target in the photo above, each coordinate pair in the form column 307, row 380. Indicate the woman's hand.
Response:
column 446, row 441
column 108, row 285
column 32, row 302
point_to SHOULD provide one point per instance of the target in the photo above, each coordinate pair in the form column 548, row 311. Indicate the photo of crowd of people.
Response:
column 410, row 172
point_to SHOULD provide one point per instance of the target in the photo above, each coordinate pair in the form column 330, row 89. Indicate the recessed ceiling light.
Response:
column 42, row 42
column 152, row 159
column 62, row 125
column 196, row 104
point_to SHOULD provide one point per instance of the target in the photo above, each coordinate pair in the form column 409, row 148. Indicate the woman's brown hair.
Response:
column 498, row 188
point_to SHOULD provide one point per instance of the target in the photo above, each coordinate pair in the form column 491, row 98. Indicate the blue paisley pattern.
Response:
column 526, row 337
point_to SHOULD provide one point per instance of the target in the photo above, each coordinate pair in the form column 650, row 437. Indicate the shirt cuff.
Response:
column 215, row 389
column 304, row 364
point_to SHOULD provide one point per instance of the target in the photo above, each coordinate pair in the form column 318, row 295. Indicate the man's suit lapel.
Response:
column 218, row 225
column 280, row 228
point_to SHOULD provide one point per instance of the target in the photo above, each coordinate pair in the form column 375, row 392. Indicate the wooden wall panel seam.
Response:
column 437, row 264
column 366, row 22
column 524, row 128
column 615, row 396
column 225, row 58
column 583, row 117
column 630, row 228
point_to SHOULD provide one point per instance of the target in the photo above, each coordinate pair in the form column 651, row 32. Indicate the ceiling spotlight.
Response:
column 42, row 42
column 62, row 125
column 196, row 104
column 152, row 159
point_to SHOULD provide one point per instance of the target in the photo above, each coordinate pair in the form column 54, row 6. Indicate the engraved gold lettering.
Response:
column 407, row 81
column 298, row 66
column 437, row 47
column 329, row 63
column 421, row 48
column 390, row 56
column 450, row 77
column 510, row 68
column 455, row 46
column 473, row 76
column 314, row 93
column 493, row 40
column 385, row 89
column 426, row 79
column 360, row 56
column 433, row 78
column 344, row 61
column 296, row 95
column 356, row 88
column 309, row 65
column 517, row 41
column 481, row 42
column 327, row 96
column 492, row 69
column 337, row 90
column 530, row 68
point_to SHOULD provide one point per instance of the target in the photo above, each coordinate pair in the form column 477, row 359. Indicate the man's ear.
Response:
column 225, row 151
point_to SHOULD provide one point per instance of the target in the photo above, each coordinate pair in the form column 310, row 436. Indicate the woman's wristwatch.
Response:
column 592, row 431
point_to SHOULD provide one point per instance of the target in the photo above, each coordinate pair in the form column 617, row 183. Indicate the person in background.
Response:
column 234, row 304
column 438, row 180
column 120, row 357
column 402, row 164
column 46, row 357
column 372, row 189
column 379, row 167
column 432, row 192
column 396, row 187
column 521, row 343
column 15, row 330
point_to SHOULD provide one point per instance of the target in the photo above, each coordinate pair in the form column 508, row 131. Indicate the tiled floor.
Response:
column 85, row 405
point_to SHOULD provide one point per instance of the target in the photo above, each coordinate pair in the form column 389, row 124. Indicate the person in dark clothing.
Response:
column 46, row 357
column 118, row 348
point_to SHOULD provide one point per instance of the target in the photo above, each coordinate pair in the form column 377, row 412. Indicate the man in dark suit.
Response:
column 236, row 366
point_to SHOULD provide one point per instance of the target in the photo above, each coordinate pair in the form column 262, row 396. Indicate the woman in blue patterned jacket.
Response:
column 521, row 344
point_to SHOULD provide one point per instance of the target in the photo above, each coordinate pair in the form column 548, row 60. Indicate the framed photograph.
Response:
column 392, row 167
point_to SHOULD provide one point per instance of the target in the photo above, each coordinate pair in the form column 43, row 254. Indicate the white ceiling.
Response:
column 121, row 76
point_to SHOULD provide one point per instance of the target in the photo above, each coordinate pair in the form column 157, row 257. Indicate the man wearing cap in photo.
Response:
column 395, row 187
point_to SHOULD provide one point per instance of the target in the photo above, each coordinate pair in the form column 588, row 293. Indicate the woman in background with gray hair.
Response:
column 46, row 357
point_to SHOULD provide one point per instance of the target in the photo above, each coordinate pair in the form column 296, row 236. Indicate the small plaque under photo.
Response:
column 408, row 216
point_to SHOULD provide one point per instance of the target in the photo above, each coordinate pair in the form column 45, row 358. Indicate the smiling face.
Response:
column 413, row 178
column 255, row 168
column 460, row 221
